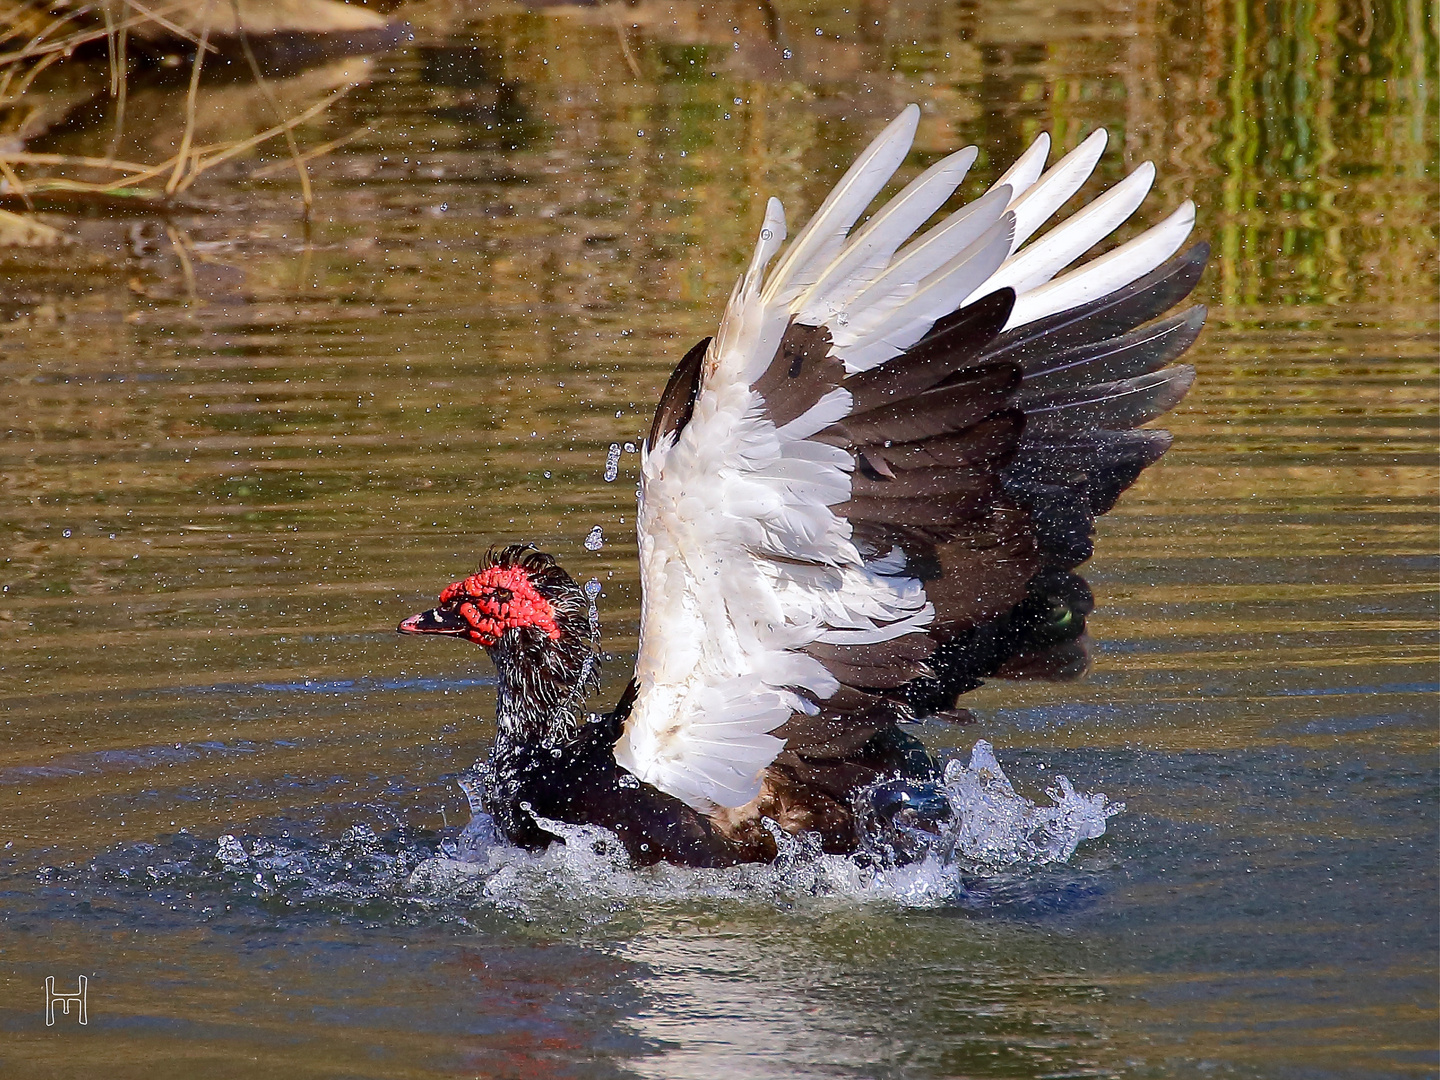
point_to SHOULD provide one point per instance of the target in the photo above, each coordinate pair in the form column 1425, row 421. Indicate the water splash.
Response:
column 592, row 592
column 995, row 832
column 1000, row 830
column 991, row 852
column 596, row 540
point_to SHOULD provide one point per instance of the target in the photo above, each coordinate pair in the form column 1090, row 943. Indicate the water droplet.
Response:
column 230, row 851
column 592, row 590
column 612, row 463
column 596, row 540
column 630, row 448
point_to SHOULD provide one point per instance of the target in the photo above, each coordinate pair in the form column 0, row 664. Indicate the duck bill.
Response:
column 434, row 621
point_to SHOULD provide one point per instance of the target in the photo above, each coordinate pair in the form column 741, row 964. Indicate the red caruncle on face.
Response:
column 500, row 598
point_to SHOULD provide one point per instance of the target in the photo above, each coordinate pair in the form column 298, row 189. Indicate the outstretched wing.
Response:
column 867, row 492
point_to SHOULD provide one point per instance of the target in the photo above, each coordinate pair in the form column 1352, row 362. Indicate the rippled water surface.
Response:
column 239, row 447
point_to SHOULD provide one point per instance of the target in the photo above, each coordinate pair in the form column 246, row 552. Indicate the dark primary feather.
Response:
column 1110, row 315
column 1136, row 353
column 987, row 444
column 933, row 483
column 677, row 400
column 969, row 397
column 951, row 344
column 1103, row 463
column 1112, row 406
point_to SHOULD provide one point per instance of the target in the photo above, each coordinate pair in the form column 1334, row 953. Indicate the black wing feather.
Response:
column 1046, row 411
column 677, row 401
column 1136, row 353
column 1111, row 315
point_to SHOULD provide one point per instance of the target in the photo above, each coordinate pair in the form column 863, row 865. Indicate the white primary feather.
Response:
column 1113, row 270
column 743, row 560
column 1027, row 168
column 1062, row 245
column 824, row 233
column 869, row 252
column 926, row 255
column 1048, row 194
column 873, row 340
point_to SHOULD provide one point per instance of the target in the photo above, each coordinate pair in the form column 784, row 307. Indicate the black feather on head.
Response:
column 544, row 678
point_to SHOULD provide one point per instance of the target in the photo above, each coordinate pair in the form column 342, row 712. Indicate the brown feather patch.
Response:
column 990, row 445
column 952, row 343
column 802, row 372
column 982, row 573
column 973, row 395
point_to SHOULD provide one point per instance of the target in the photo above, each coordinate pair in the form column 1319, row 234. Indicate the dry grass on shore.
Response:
column 55, row 56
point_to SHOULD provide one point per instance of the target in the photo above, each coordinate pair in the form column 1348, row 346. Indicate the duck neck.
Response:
column 541, row 708
column 523, row 722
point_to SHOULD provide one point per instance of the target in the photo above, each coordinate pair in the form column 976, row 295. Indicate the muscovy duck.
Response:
column 865, row 495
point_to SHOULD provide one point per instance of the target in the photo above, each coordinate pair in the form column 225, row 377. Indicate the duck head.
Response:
column 534, row 621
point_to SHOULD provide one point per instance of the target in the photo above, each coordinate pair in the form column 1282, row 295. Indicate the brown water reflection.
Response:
column 240, row 445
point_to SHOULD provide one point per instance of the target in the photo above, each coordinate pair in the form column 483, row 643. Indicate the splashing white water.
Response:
column 999, row 829
column 994, row 839
column 995, row 831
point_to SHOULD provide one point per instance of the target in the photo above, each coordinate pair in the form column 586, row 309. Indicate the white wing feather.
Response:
column 743, row 561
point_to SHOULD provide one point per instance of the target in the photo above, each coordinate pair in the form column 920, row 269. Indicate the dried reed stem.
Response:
column 149, row 14
column 625, row 42
column 178, row 243
column 10, row 175
column 189, row 133
column 70, row 159
column 255, row 140
column 313, row 152
column 299, row 162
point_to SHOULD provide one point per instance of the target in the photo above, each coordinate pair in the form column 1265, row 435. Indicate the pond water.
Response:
column 240, row 447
